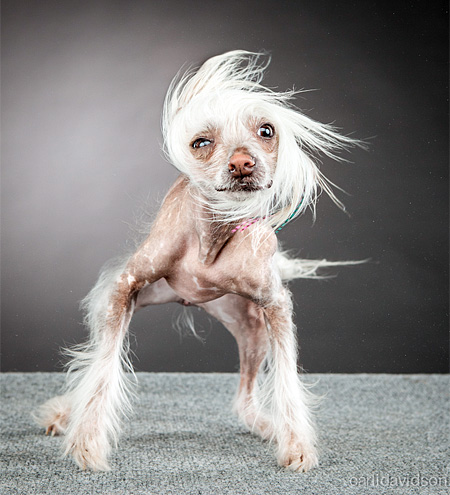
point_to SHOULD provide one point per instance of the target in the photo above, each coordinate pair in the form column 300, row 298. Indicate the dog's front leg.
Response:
column 98, row 384
column 284, row 394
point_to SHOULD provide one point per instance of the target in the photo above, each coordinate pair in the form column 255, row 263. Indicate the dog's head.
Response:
column 241, row 144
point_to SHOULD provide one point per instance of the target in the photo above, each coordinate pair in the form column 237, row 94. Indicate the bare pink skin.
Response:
column 200, row 262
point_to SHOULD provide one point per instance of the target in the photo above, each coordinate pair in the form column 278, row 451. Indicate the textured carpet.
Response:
column 379, row 434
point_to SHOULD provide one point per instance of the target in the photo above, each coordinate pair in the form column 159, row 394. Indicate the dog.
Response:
column 245, row 154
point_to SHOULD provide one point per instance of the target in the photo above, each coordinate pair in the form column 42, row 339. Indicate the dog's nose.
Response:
column 241, row 165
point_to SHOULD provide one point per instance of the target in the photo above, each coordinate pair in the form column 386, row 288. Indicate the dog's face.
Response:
column 234, row 156
column 228, row 146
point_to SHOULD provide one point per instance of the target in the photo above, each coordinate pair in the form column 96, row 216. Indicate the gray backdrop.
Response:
column 82, row 89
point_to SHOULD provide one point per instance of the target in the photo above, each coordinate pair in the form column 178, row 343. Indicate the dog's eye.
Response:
column 265, row 131
column 201, row 143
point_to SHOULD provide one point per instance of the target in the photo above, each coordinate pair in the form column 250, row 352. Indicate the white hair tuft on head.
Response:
column 228, row 87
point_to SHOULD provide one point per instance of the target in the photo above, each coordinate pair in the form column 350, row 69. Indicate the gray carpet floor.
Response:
column 378, row 434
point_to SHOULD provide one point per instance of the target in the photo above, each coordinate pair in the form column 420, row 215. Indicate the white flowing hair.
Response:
column 231, row 84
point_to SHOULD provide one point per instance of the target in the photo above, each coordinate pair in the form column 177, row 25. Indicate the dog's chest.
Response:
column 237, row 271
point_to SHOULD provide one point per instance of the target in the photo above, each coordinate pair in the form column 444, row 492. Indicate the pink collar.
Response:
column 245, row 225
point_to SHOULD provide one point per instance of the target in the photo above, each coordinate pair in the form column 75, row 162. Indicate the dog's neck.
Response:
column 197, row 219
column 212, row 234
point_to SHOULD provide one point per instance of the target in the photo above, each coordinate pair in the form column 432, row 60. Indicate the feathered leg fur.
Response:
column 278, row 409
column 98, row 385
column 284, row 394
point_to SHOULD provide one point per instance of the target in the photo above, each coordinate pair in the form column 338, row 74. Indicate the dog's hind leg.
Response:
column 245, row 321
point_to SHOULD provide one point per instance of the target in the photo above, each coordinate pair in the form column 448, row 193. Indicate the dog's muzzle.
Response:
column 243, row 175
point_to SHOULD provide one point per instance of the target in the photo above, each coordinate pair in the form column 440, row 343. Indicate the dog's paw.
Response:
column 54, row 415
column 298, row 457
column 88, row 451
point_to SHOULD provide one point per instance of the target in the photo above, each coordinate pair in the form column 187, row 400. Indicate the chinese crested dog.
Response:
column 245, row 157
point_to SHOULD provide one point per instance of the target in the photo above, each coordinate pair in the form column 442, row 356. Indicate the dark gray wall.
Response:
column 82, row 88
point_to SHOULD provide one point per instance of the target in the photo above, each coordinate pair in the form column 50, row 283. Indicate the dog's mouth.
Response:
column 244, row 185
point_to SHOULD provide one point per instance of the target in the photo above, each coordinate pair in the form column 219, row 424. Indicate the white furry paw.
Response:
column 298, row 457
column 54, row 415
column 89, row 451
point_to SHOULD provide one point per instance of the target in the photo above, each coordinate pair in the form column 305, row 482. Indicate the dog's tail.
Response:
column 290, row 268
